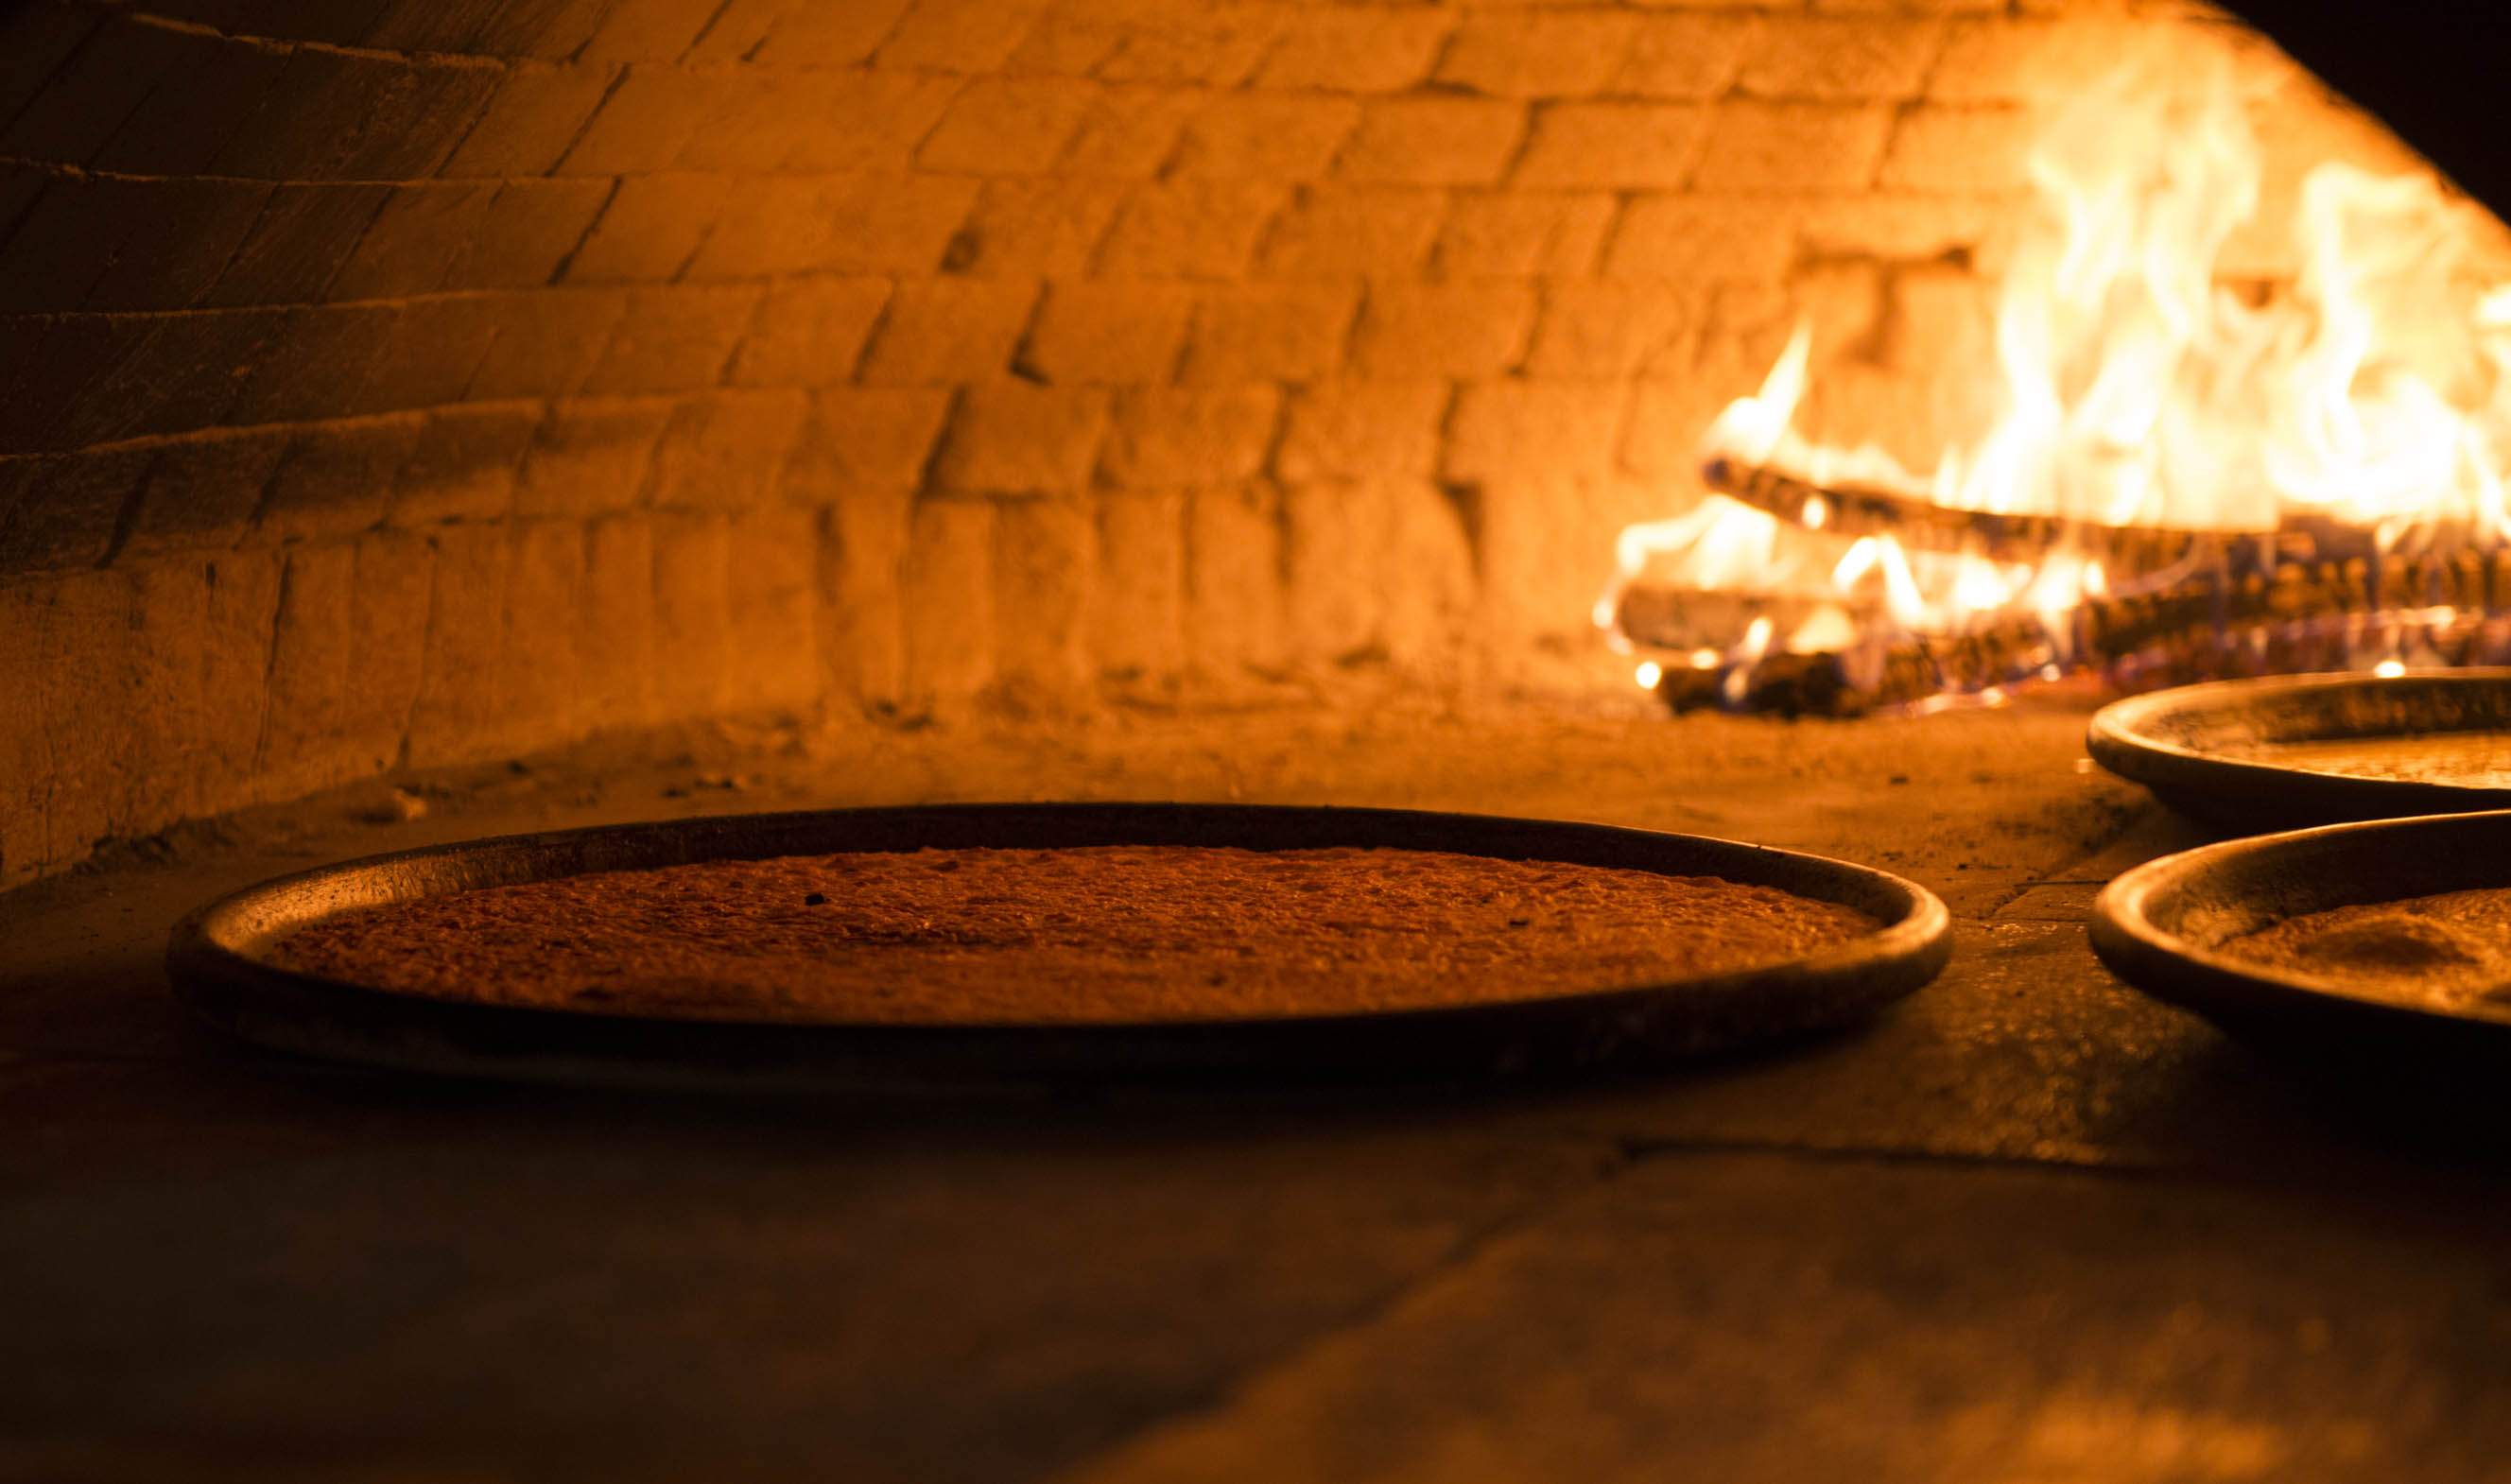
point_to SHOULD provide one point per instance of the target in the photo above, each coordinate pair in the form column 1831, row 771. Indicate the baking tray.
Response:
column 2258, row 754
column 2158, row 926
column 215, row 967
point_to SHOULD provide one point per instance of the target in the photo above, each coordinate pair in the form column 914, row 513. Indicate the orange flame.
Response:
column 2136, row 389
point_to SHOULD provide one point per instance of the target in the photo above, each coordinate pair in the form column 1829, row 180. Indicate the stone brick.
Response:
column 1265, row 135
column 673, row 339
column 1433, row 140
column 529, row 230
column 1761, row 146
column 693, row 657
column 1521, row 233
column 1358, row 48
column 1009, row 124
column 1944, row 7
column 535, row 114
column 829, row 35
column 1376, row 569
column 173, row 261
column 101, row 83
column 1138, row 623
column 856, row 222
column 1859, row 58
column 1412, row 332
column 1706, row 237
column 188, row 117
column 645, row 30
column 950, row 330
column 1089, row 332
column 335, row 480
column 1958, row 149
column 1190, row 229
column 1167, row 436
column 650, row 115
column 2017, row 59
column 947, row 590
column 1044, row 571
column 1358, row 429
column 736, row 30
column 188, row 691
column 238, row 614
column 863, row 557
column 74, row 643
column 455, row 717
column 1010, row 438
column 1522, row 428
column 305, row 235
column 1332, row 230
column 1334, row 572
column 644, row 117
column 412, row 240
column 317, row 362
column 1246, row 332
column 1233, row 586
column 1219, row 44
column 464, row 465
column 724, row 451
column 809, row 332
column 774, row 602
column 615, row 632
column 817, row 122
column 1909, row 227
column 958, row 35
column 336, row 115
column 1614, row 144
column 649, row 229
column 1538, row 54
column 1633, row 327
column 68, row 508
column 98, row 378
column 1130, row 131
column 865, row 438
column 21, row 183
column 550, row 33
column 589, row 457
column 68, row 243
column 202, row 491
column 304, row 745
column 552, row 342
column 1687, row 55
column 1024, row 227
column 438, row 345
column 541, row 691
column 1547, row 550
column 35, row 40
column 1427, row 614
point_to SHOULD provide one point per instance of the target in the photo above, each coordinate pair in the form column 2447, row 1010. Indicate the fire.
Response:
column 2135, row 390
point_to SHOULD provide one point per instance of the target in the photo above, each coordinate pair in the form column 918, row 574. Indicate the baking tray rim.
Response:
column 212, row 962
column 2116, row 738
column 2249, row 996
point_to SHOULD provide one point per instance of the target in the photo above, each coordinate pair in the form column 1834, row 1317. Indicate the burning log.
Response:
column 2128, row 553
column 2439, row 610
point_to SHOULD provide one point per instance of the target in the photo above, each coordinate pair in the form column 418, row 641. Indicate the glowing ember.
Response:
column 2135, row 393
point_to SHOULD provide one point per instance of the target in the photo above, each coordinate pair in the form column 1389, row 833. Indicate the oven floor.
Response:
column 2029, row 1225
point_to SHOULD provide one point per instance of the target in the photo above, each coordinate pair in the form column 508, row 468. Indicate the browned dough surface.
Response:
column 1096, row 934
column 2445, row 950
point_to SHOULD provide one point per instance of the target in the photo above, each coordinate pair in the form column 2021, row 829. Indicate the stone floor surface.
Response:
column 2029, row 1225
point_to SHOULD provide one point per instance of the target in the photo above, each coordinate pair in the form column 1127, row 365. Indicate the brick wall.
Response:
column 408, row 381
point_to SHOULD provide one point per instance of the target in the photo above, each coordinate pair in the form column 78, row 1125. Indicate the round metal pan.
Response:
column 2161, row 927
column 216, row 966
column 2212, row 751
